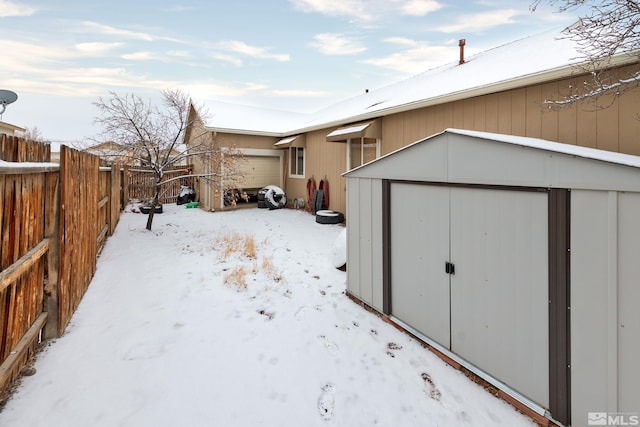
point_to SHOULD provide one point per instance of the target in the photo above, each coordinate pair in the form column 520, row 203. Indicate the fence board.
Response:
column 14, row 149
column 142, row 183
column 79, row 189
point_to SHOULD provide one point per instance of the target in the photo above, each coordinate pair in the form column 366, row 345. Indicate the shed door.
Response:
column 499, row 292
column 419, row 241
column 493, row 311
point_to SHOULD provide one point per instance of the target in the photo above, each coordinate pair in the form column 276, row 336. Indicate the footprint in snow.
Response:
column 300, row 313
column 329, row 345
column 430, row 388
column 326, row 402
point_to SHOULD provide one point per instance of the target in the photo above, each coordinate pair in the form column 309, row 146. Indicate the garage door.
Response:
column 260, row 171
column 493, row 309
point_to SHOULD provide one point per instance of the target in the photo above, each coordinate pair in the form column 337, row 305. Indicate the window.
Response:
column 296, row 162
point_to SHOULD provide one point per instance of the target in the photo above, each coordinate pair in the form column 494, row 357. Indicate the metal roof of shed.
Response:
column 483, row 158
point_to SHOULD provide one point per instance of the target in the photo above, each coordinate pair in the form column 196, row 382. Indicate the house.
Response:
column 111, row 152
column 11, row 130
column 501, row 90
column 516, row 257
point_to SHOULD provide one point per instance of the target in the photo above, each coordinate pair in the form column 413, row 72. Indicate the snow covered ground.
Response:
column 237, row 319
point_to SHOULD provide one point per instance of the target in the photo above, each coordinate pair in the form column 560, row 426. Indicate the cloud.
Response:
column 401, row 41
column 297, row 93
column 420, row 7
column 252, row 51
column 96, row 48
column 480, row 21
column 9, row 8
column 128, row 34
column 336, row 44
column 352, row 8
column 143, row 56
column 227, row 58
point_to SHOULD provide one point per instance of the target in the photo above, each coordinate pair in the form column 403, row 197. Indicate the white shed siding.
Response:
column 605, row 293
column 629, row 301
column 364, row 241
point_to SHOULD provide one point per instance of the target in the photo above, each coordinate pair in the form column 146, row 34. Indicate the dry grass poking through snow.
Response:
column 245, row 247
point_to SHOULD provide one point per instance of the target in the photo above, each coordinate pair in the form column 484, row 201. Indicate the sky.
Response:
column 230, row 334
column 60, row 57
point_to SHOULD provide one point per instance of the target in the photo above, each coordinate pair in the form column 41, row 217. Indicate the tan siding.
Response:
column 504, row 112
column 458, row 114
column 480, row 113
column 491, row 113
column 533, row 114
column 245, row 141
column 518, row 112
column 586, row 127
column 468, row 114
column 568, row 125
column 607, row 130
column 549, row 118
column 392, row 134
column 630, row 123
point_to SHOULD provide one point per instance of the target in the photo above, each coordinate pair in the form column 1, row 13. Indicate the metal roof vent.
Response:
column 461, row 43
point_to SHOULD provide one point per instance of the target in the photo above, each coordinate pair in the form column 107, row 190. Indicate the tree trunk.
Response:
column 154, row 203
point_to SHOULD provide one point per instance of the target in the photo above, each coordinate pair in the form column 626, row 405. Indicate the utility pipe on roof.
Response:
column 461, row 43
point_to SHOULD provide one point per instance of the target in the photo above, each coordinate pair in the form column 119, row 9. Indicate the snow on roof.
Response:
column 543, row 144
column 252, row 120
column 515, row 64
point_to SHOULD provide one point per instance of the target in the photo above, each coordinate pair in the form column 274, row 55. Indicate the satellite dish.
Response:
column 6, row 97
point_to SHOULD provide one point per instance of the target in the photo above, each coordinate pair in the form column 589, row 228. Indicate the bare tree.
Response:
column 607, row 29
column 154, row 136
column 33, row 134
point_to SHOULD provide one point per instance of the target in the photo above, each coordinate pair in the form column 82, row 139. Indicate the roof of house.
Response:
column 5, row 125
column 531, row 60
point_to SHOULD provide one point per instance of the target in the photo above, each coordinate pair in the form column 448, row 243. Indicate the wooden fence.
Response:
column 142, row 183
column 54, row 220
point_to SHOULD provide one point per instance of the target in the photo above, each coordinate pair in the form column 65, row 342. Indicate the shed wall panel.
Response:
column 376, row 243
column 353, row 238
column 590, row 354
column 628, row 326
column 364, row 241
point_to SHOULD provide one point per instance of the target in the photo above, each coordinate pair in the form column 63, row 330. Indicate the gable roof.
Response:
column 531, row 60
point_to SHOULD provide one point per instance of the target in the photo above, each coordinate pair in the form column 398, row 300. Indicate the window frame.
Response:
column 293, row 157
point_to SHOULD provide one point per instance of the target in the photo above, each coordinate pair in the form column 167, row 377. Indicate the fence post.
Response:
column 52, row 231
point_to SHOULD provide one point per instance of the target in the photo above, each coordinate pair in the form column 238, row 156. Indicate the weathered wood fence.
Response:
column 54, row 220
column 142, row 183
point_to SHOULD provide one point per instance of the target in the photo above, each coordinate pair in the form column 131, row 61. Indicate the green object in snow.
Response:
column 192, row 205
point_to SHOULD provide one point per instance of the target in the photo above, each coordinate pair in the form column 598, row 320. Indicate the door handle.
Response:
column 449, row 268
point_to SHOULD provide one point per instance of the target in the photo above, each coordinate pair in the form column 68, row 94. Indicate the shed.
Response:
column 516, row 257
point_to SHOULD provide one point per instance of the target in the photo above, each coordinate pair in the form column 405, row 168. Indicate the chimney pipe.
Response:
column 461, row 43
